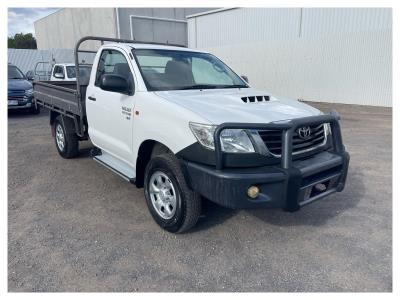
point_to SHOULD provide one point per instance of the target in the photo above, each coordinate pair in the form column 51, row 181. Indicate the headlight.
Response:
column 29, row 92
column 236, row 141
column 204, row 134
column 232, row 140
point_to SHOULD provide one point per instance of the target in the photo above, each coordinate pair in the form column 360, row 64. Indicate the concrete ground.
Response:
column 75, row 226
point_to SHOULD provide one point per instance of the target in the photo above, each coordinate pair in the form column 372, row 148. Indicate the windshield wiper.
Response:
column 209, row 86
column 199, row 87
column 232, row 86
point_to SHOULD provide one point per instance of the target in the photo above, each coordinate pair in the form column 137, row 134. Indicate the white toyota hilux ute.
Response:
column 67, row 71
column 183, row 125
column 51, row 71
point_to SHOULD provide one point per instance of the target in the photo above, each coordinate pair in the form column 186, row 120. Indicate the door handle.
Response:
column 92, row 98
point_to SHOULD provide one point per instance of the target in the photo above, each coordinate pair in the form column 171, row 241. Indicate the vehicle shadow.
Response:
column 212, row 215
column 25, row 114
column 85, row 148
column 315, row 214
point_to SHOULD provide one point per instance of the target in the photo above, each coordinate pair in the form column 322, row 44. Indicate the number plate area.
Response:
column 319, row 189
column 12, row 102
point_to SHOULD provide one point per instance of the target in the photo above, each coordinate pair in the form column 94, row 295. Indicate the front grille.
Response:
column 18, row 98
column 17, row 95
column 273, row 140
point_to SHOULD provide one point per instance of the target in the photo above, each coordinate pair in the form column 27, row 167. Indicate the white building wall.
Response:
column 65, row 27
column 317, row 54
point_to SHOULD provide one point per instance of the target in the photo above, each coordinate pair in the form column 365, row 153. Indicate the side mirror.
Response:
column 245, row 78
column 115, row 83
column 29, row 76
column 59, row 75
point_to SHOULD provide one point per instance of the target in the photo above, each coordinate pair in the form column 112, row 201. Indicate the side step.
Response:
column 116, row 165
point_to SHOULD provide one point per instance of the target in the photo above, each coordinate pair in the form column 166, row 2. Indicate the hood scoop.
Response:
column 253, row 99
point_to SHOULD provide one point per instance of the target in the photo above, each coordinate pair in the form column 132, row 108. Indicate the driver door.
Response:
column 109, row 113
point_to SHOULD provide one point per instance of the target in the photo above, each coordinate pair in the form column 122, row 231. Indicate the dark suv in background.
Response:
column 20, row 91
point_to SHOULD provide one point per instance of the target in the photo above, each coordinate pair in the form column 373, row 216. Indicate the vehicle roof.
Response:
column 153, row 46
column 65, row 64
column 68, row 64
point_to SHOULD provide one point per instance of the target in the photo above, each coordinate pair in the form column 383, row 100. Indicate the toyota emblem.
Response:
column 304, row 132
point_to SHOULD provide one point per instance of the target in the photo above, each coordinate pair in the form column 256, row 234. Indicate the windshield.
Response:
column 182, row 70
column 15, row 73
column 84, row 71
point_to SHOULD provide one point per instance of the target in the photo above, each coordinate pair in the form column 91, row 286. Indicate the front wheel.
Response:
column 172, row 204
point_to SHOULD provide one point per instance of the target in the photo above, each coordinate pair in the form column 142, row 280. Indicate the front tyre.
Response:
column 174, row 206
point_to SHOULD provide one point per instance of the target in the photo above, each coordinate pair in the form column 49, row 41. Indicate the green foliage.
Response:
column 22, row 41
column 11, row 42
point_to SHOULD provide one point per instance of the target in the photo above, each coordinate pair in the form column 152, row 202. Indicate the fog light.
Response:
column 253, row 192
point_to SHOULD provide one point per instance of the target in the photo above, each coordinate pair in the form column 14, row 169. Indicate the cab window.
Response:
column 113, row 62
column 58, row 69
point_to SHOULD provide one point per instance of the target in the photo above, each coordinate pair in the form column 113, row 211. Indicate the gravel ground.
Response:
column 75, row 226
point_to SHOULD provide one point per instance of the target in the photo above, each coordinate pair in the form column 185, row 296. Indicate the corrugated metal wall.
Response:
column 341, row 55
column 26, row 59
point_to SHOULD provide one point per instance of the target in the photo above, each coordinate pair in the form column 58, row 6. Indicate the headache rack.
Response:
column 287, row 131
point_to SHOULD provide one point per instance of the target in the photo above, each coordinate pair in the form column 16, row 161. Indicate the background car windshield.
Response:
column 15, row 73
column 179, row 70
column 84, row 71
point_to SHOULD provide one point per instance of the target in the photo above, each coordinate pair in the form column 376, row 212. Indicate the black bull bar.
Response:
column 287, row 128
